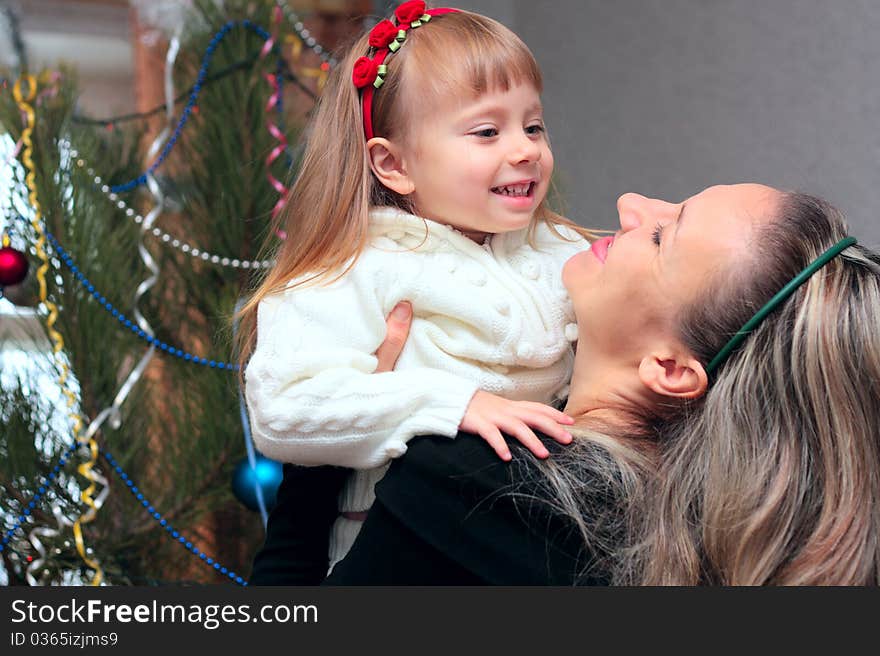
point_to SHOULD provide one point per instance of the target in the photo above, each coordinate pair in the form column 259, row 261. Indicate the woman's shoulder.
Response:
column 468, row 468
column 442, row 457
column 486, row 514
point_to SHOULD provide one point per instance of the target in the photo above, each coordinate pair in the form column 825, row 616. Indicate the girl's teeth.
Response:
column 516, row 190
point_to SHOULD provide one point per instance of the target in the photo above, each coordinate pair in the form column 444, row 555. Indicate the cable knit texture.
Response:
column 493, row 317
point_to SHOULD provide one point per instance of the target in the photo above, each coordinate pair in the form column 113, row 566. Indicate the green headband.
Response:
column 783, row 294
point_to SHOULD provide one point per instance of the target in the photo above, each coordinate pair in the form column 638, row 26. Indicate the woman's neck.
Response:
column 604, row 389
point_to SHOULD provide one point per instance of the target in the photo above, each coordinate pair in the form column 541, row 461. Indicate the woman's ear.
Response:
column 388, row 165
column 678, row 375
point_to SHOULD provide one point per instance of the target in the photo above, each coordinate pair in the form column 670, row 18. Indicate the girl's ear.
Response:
column 388, row 166
column 677, row 375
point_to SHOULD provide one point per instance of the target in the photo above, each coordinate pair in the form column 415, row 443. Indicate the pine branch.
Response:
column 39, row 515
column 180, row 422
column 206, row 484
column 11, row 575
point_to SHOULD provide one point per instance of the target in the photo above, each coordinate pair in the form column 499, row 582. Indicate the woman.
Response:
column 761, row 466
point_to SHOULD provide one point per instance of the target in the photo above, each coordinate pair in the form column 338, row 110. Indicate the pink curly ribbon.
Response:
column 273, row 102
column 276, row 152
column 267, row 46
column 51, row 80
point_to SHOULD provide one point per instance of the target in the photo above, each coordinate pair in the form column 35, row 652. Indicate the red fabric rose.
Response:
column 384, row 33
column 365, row 72
column 410, row 11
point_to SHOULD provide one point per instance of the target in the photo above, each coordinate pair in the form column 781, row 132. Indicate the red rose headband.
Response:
column 386, row 38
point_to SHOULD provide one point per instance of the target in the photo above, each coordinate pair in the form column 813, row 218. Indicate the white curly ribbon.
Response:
column 154, row 188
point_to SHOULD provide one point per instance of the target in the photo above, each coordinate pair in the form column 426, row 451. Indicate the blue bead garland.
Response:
column 169, row 529
column 187, row 110
column 39, row 495
column 127, row 323
column 138, row 495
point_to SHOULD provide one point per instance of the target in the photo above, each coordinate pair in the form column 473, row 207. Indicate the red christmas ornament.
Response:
column 13, row 266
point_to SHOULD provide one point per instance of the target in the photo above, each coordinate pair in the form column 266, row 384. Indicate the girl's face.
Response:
column 481, row 165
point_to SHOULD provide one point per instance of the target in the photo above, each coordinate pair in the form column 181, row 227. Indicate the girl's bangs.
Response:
column 468, row 53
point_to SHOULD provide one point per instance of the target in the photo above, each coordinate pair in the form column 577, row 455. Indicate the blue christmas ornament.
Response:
column 266, row 473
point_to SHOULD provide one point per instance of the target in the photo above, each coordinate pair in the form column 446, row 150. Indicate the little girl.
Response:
column 423, row 180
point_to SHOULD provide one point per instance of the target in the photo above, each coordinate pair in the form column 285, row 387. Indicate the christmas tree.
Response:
column 122, row 424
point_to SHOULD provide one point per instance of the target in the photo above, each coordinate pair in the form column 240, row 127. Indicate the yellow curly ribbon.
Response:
column 296, row 47
column 320, row 75
column 295, row 44
column 85, row 469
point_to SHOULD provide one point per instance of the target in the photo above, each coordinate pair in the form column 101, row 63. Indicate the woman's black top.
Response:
column 449, row 512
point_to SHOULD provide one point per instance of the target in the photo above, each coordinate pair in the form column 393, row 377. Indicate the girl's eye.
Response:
column 486, row 133
column 657, row 234
column 535, row 129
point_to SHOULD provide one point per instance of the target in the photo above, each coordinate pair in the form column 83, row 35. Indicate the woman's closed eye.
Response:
column 657, row 234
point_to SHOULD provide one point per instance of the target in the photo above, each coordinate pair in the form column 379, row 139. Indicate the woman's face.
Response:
column 629, row 288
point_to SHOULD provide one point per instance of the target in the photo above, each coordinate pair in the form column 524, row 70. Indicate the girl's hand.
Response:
column 488, row 415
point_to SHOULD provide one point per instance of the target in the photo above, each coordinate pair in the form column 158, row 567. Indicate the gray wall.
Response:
column 666, row 97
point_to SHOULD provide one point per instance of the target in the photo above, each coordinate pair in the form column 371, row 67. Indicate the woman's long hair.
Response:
column 773, row 477
column 326, row 213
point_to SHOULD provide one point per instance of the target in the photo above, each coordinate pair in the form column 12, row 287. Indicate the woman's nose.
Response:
column 631, row 211
column 635, row 209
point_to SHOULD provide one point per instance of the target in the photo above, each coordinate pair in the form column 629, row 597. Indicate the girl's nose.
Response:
column 525, row 150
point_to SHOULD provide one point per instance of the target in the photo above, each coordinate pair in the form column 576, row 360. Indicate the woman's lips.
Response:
column 600, row 247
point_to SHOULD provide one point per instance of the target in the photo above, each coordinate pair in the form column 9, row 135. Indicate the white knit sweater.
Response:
column 493, row 317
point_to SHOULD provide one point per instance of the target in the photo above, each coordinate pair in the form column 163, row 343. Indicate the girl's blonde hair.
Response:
column 773, row 477
column 327, row 208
